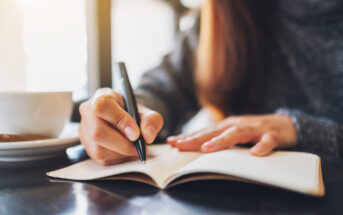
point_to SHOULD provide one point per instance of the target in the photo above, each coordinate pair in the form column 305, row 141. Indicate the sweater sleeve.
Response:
column 317, row 134
column 169, row 88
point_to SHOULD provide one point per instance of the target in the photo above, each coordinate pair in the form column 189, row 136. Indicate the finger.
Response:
column 97, row 131
column 264, row 146
column 102, row 155
column 107, row 108
column 111, row 139
column 230, row 137
column 106, row 136
column 98, row 153
column 194, row 142
column 202, row 135
column 173, row 139
column 151, row 124
column 182, row 137
column 108, row 92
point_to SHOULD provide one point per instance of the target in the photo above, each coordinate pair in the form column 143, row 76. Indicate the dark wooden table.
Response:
column 24, row 189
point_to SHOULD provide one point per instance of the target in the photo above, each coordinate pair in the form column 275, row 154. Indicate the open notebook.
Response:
column 166, row 167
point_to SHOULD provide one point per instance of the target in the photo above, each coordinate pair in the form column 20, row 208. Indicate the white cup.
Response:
column 34, row 113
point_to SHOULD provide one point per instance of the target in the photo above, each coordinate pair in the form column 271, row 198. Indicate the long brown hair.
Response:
column 228, row 57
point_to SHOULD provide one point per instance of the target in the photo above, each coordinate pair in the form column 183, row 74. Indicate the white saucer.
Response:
column 40, row 149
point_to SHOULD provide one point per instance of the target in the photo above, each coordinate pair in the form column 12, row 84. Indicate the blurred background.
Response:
column 58, row 45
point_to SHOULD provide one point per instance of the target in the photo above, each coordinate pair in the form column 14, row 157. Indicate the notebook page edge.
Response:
column 313, row 190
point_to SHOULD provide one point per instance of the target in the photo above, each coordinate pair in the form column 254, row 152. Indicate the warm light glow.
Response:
column 54, row 35
column 43, row 46
column 153, row 21
column 24, row 3
column 192, row 3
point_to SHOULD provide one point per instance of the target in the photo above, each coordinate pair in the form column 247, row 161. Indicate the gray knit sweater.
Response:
column 305, row 77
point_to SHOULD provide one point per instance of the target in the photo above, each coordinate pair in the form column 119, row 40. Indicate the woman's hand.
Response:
column 265, row 131
column 107, row 130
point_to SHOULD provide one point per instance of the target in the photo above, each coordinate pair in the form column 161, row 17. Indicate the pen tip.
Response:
column 143, row 161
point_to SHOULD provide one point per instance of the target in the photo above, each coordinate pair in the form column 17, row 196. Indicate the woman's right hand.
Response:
column 107, row 130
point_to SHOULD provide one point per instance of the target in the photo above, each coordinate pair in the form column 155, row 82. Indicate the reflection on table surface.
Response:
column 24, row 189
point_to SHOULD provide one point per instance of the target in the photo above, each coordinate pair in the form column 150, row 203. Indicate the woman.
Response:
column 270, row 73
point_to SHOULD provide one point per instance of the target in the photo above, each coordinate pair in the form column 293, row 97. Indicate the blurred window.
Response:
column 44, row 46
column 142, row 33
column 44, row 42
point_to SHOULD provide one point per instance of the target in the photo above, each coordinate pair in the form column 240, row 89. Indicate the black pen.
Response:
column 131, row 106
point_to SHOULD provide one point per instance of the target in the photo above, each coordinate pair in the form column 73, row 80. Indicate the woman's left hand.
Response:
column 266, row 132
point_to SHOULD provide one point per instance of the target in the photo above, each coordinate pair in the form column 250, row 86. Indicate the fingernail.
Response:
column 131, row 133
column 151, row 131
column 180, row 141
column 188, row 139
column 207, row 146
column 171, row 139
column 256, row 151
column 183, row 140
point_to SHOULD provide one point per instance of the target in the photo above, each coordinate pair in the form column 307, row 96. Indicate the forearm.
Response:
column 315, row 134
column 170, row 92
column 169, row 88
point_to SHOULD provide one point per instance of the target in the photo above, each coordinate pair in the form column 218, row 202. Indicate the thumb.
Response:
column 151, row 124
